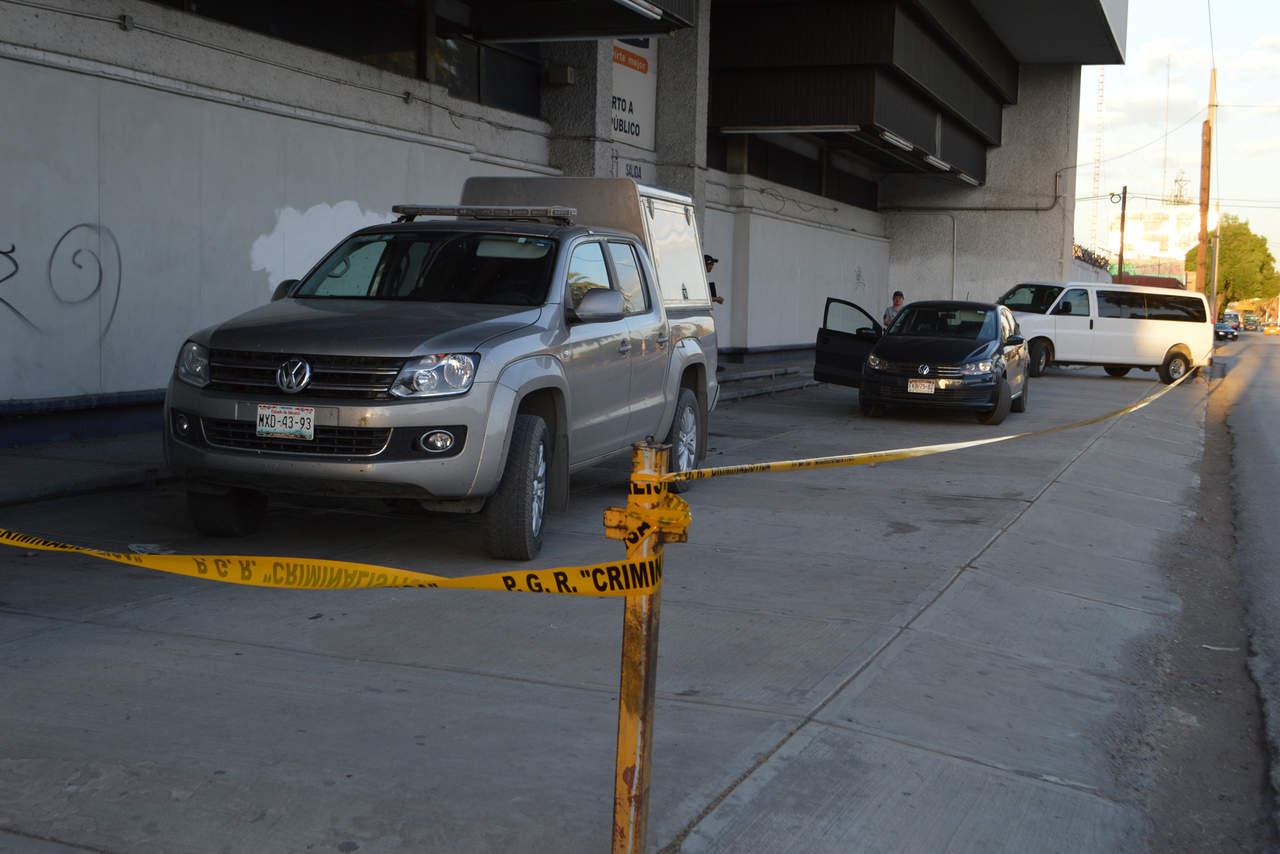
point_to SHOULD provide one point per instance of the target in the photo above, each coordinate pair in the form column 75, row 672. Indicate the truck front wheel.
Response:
column 514, row 514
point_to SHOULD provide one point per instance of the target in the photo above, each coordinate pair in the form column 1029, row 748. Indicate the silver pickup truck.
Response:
column 468, row 363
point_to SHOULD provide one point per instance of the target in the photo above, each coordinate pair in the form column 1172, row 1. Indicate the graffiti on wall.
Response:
column 85, row 264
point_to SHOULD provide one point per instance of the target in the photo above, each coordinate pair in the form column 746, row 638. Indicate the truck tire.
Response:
column 998, row 413
column 685, row 438
column 234, row 513
column 514, row 514
column 1039, row 358
column 1175, row 365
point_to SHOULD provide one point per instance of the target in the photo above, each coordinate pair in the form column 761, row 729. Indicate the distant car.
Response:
column 1271, row 329
column 1222, row 330
column 1251, row 326
column 951, row 354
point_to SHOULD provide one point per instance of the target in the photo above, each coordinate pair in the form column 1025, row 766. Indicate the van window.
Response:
column 629, row 281
column 1124, row 304
column 1034, row 299
column 1075, row 303
column 682, row 274
column 587, row 270
column 1175, row 307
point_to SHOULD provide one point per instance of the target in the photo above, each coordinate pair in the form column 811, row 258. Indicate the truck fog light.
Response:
column 181, row 424
column 437, row 441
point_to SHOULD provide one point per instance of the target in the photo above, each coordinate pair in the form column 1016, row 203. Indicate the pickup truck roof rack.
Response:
column 555, row 214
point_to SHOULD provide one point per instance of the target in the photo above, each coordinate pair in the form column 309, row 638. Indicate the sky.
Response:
column 1154, row 105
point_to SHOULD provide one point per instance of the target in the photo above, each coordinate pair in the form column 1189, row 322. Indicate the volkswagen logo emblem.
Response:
column 923, row 370
column 293, row 376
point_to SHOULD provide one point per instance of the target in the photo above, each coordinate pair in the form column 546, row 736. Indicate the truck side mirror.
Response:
column 599, row 305
column 282, row 290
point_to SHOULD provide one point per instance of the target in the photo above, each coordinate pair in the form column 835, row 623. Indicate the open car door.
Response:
column 847, row 335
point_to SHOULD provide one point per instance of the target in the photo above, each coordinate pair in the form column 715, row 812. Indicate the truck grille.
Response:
column 349, row 377
column 329, row 441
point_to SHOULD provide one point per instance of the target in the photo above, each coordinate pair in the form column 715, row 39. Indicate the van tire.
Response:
column 234, row 513
column 1116, row 370
column 1175, row 365
column 515, row 514
column 1004, row 401
column 1039, row 358
column 685, row 438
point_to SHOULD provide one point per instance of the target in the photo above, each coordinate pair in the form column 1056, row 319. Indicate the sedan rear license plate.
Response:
column 286, row 422
column 920, row 386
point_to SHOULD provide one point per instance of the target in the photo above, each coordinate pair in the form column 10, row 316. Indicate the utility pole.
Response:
column 1206, row 150
column 1124, row 202
column 1213, row 286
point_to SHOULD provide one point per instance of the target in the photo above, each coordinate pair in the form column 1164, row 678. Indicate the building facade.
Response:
column 170, row 162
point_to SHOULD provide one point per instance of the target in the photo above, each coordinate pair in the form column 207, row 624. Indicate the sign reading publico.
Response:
column 634, row 105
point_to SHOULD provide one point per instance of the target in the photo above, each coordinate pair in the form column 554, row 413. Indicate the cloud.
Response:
column 1257, row 146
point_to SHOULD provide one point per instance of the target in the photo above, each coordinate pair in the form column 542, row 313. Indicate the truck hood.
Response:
column 368, row 327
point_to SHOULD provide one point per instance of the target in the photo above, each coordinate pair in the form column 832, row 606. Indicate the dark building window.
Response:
column 392, row 35
column 783, row 166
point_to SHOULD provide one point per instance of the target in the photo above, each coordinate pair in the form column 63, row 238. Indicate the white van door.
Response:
column 1073, row 318
column 1121, row 330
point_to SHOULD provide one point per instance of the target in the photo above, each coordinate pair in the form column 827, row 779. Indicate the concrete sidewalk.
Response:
column 933, row 655
column 75, row 466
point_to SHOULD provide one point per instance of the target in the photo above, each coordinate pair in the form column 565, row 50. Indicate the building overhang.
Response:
column 570, row 20
column 922, row 83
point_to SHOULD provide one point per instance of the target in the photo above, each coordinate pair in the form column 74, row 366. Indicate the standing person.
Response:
column 711, row 262
column 891, row 311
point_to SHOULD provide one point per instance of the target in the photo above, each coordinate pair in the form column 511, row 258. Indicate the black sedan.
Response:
column 1224, row 331
column 947, row 353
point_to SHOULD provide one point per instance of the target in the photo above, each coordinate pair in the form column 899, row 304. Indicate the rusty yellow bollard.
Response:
column 652, row 516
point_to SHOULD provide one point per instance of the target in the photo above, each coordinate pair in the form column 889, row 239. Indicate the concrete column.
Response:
column 1016, row 227
column 683, row 72
column 579, row 113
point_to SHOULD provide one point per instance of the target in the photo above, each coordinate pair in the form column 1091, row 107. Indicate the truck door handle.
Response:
column 1091, row 323
column 662, row 339
column 624, row 347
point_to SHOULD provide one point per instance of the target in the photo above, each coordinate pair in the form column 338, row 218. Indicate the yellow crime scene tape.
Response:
column 903, row 453
column 300, row 573
column 624, row 578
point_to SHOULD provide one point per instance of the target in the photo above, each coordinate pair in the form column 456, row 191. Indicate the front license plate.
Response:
column 286, row 422
column 920, row 386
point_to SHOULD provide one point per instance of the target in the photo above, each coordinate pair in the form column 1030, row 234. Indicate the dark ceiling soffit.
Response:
column 860, row 110
column 1069, row 32
column 553, row 20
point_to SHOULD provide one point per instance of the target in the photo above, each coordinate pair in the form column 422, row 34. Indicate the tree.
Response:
column 1246, row 267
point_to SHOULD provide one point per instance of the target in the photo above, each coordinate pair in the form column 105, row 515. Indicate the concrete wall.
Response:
column 1017, row 226
column 147, row 202
column 782, row 253
column 1082, row 272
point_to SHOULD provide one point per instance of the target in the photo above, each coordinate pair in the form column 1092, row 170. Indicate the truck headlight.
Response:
column 876, row 362
column 193, row 364
column 973, row 369
column 436, row 375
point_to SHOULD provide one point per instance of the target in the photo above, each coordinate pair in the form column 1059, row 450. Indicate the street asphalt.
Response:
column 931, row 655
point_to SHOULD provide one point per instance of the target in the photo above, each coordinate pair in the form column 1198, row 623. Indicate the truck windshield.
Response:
column 495, row 269
column 1033, row 299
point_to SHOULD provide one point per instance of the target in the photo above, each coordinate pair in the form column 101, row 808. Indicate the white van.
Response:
column 1117, row 326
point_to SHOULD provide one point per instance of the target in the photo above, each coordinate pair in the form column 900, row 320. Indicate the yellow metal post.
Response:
column 639, row 650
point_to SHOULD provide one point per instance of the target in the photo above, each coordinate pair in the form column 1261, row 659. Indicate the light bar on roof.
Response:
column 557, row 213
